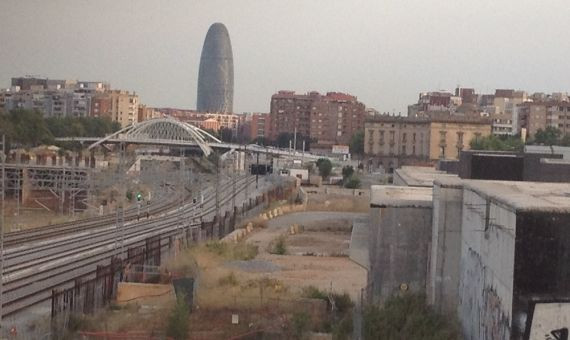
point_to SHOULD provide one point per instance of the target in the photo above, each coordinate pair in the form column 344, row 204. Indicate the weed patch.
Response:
column 278, row 246
column 228, row 280
column 239, row 251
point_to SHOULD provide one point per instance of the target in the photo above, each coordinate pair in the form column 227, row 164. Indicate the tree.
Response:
column 226, row 135
column 357, row 143
column 548, row 136
column 325, row 167
column 497, row 143
column 347, row 171
column 28, row 128
column 283, row 139
column 259, row 141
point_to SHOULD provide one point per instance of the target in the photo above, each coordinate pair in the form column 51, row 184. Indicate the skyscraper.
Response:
column 216, row 76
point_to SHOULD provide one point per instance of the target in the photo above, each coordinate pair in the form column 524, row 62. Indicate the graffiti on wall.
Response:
column 550, row 321
column 495, row 322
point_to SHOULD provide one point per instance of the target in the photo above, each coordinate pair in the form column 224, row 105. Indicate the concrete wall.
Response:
column 442, row 288
column 399, row 249
column 486, row 268
column 398, row 180
column 334, row 190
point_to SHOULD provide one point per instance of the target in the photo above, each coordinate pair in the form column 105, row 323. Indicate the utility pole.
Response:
column 120, row 217
column 182, row 187
column 257, row 172
column 303, row 155
column 218, row 186
column 234, row 168
column 295, row 140
column 3, row 174
column 246, row 170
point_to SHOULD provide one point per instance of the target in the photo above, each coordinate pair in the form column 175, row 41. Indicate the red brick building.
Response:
column 328, row 119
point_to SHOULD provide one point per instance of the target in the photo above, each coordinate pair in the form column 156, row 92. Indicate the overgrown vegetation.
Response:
column 353, row 182
column 357, row 143
column 178, row 320
column 239, row 251
column 325, row 167
column 300, row 324
column 278, row 246
column 340, row 319
column 497, row 143
column 28, row 128
column 228, row 280
column 550, row 136
column 406, row 317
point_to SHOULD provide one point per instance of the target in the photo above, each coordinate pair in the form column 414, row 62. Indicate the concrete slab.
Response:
column 359, row 239
column 525, row 196
column 400, row 197
column 418, row 176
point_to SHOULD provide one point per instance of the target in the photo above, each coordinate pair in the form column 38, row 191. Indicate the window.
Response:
column 403, row 150
column 460, row 137
column 404, row 139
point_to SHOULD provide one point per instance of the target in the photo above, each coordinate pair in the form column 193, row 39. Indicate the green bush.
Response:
column 178, row 323
column 352, row 182
column 279, row 247
column 312, row 292
column 342, row 330
column 300, row 324
column 406, row 317
column 240, row 251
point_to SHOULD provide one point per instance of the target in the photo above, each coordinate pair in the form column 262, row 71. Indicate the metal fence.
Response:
column 87, row 295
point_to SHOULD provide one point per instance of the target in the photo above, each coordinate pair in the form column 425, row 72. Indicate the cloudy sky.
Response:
column 383, row 51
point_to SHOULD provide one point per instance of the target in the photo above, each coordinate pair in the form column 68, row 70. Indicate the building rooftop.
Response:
column 449, row 182
column 525, row 196
column 546, row 149
column 382, row 196
column 420, row 176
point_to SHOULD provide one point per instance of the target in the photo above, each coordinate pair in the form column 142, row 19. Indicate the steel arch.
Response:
column 163, row 129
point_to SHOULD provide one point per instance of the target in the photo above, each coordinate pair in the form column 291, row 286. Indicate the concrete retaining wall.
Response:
column 399, row 252
column 487, row 268
column 442, row 288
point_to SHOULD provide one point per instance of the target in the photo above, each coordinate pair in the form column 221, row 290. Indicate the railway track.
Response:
column 51, row 231
column 33, row 270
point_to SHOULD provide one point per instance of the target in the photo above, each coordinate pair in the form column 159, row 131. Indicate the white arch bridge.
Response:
column 172, row 132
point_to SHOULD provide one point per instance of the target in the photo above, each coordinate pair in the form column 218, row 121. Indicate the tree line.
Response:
column 549, row 136
column 28, row 128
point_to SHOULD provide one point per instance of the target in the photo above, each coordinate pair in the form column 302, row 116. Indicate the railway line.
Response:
column 45, row 232
column 33, row 269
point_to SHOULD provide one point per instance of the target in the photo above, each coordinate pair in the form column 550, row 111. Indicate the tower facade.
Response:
column 216, row 75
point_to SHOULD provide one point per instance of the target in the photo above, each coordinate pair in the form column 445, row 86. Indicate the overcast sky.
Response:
column 382, row 51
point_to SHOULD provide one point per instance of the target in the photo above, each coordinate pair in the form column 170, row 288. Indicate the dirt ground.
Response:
column 266, row 290
column 324, row 236
column 335, row 202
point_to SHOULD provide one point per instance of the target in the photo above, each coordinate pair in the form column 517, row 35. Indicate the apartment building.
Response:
column 225, row 120
column 328, row 119
column 118, row 105
column 52, row 97
column 255, row 125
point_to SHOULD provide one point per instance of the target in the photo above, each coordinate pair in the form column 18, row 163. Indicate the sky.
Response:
column 383, row 51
